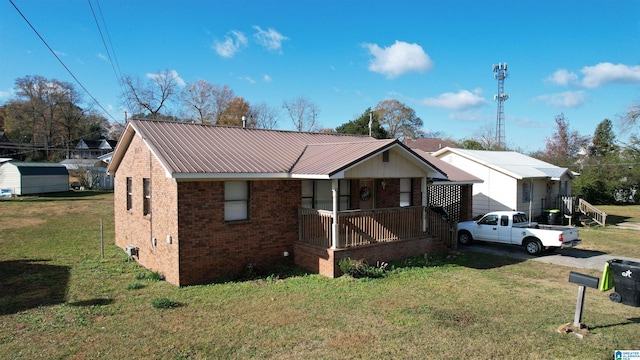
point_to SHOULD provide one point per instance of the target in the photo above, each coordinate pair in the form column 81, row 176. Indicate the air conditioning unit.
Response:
column 131, row 250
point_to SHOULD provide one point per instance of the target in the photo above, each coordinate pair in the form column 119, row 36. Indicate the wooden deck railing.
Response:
column 360, row 227
column 594, row 213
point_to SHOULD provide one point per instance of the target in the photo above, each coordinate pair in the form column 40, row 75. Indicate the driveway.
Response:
column 575, row 257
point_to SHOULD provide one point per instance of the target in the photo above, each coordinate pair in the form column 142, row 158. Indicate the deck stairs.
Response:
column 590, row 215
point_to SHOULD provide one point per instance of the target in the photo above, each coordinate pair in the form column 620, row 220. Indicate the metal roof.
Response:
column 39, row 168
column 189, row 150
column 454, row 174
column 512, row 163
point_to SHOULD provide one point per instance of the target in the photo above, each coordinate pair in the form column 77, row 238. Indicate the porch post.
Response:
column 334, row 225
column 423, row 188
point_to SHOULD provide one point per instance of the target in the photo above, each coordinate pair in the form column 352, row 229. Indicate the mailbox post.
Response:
column 584, row 281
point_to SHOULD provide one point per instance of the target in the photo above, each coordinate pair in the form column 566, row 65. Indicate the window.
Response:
column 146, row 186
column 236, row 200
column 316, row 194
column 344, row 191
column 405, row 192
column 489, row 220
column 527, row 191
column 129, row 193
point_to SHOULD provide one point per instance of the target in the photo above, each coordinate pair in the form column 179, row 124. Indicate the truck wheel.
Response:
column 464, row 238
column 533, row 246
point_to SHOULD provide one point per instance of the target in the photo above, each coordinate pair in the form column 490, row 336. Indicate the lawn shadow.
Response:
column 92, row 302
column 616, row 219
column 60, row 196
column 482, row 260
column 29, row 283
column 635, row 320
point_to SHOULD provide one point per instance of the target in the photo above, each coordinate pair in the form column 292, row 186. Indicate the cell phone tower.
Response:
column 500, row 73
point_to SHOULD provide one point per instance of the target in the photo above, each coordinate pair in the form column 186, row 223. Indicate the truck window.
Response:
column 504, row 220
column 489, row 220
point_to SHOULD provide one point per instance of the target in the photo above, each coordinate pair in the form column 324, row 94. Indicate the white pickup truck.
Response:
column 513, row 227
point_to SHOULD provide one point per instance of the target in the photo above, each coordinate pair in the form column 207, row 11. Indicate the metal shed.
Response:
column 25, row 178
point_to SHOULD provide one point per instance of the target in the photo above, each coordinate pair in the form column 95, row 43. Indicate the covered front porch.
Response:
column 386, row 234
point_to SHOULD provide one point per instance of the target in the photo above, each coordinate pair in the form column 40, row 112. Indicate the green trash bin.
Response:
column 626, row 280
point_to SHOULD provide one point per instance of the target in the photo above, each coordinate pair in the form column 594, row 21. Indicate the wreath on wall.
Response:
column 365, row 193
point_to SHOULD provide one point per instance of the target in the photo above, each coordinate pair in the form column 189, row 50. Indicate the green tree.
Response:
column 360, row 126
column 604, row 140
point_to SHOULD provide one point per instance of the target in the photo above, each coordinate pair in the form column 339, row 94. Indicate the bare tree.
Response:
column 564, row 145
column 486, row 137
column 303, row 113
column 266, row 116
column 153, row 96
column 199, row 102
column 400, row 121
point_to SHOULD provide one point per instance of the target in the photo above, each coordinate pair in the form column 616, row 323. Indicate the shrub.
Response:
column 150, row 275
column 164, row 303
column 360, row 268
column 135, row 286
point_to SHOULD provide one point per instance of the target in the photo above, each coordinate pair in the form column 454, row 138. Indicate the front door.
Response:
column 366, row 194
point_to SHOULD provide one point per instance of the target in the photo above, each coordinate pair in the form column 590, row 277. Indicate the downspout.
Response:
column 530, row 198
column 423, row 188
column 334, row 225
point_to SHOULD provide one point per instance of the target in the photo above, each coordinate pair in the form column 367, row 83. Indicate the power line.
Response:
column 61, row 62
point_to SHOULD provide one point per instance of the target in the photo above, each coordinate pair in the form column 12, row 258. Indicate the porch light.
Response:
column 383, row 184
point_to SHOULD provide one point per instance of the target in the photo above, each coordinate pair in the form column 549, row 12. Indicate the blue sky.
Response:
column 580, row 58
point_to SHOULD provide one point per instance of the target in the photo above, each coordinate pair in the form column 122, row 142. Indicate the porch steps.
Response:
column 590, row 215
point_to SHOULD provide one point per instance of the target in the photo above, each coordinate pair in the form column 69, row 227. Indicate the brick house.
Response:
column 199, row 202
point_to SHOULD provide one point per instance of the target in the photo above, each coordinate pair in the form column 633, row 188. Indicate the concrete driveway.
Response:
column 575, row 257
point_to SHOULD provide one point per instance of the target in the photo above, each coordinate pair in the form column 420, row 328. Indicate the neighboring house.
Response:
column 92, row 149
column 199, row 202
column 429, row 145
column 91, row 173
column 27, row 178
column 512, row 181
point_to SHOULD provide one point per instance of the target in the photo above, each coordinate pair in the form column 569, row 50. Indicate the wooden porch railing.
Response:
column 360, row 227
column 594, row 213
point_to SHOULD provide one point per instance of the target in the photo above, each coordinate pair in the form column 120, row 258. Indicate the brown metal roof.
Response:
column 331, row 158
column 429, row 144
column 454, row 174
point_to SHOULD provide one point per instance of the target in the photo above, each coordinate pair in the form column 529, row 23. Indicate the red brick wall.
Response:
column 132, row 227
column 211, row 248
column 325, row 261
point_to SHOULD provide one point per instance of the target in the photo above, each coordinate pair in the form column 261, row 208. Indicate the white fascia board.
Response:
column 311, row 176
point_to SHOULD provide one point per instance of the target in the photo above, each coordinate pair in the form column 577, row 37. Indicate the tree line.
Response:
column 47, row 116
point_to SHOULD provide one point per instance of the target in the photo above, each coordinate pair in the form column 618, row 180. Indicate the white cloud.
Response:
column 270, row 39
column 60, row 53
column 231, row 45
column 567, row 99
column 607, row 73
column 172, row 73
column 398, row 59
column 563, row 77
column 266, row 78
column 6, row 94
column 462, row 100
column 466, row 116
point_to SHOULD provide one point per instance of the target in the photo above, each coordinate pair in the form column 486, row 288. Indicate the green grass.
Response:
column 59, row 299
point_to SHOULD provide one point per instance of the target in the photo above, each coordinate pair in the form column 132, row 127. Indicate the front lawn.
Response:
column 58, row 299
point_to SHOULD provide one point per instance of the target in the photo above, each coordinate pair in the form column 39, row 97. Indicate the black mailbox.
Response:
column 582, row 279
